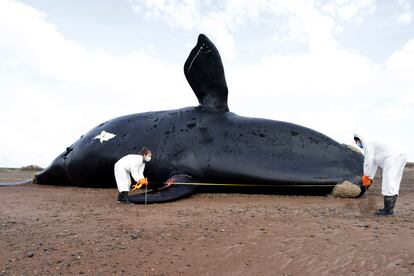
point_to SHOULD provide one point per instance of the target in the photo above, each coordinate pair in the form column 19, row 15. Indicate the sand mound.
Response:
column 346, row 189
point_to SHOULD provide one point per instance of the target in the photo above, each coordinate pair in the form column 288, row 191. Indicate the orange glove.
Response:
column 366, row 181
column 142, row 181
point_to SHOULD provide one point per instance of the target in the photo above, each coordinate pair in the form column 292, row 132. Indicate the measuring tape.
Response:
column 245, row 185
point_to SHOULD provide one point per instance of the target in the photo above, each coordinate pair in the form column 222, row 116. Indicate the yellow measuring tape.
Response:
column 244, row 185
column 215, row 184
column 252, row 185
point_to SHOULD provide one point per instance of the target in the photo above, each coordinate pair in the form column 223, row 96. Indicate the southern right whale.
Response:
column 205, row 143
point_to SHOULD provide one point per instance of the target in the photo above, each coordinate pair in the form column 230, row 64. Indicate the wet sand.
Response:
column 70, row 230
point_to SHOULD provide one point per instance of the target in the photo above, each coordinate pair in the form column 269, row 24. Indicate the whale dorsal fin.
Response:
column 205, row 74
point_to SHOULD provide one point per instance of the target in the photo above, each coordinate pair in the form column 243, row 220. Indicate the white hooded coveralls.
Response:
column 389, row 159
column 130, row 164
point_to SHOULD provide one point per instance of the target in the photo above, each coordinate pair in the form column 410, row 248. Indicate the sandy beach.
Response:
column 52, row 230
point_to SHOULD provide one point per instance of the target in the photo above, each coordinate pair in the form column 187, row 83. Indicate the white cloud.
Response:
column 334, row 94
column 305, row 88
column 405, row 14
column 405, row 17
column 309, row 22
column 348, row 10
column 182, row 13
column 53, row 90
column 401, row 63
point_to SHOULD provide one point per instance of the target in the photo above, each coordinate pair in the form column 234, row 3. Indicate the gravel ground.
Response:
column 70, row 230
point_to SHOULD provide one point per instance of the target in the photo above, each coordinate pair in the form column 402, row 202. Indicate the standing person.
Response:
column 392, row 163
column 133, row 164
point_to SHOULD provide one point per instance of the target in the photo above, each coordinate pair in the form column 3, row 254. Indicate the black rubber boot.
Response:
column 123, row 197
column 389, row 203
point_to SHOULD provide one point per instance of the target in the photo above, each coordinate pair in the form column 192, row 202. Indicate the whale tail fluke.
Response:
column 204, row 72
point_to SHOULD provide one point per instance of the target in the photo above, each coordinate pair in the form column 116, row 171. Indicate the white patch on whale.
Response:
column 104, row 136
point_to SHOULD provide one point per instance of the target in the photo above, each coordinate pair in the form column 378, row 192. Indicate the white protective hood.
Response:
column 375, row 154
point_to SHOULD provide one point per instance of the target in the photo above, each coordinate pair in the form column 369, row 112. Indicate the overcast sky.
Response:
column 334, row 66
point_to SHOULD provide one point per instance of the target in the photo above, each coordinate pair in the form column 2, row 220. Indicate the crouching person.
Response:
column 392, row 163
column 131, row 164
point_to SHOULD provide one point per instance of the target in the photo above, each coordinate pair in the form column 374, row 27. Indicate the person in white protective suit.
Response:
column 131, row 164
column 392, row 162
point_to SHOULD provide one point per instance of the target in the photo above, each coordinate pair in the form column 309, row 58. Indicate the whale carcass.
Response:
column 206, row 144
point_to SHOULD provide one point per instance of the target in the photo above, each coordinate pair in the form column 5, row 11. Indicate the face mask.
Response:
column 147, row 158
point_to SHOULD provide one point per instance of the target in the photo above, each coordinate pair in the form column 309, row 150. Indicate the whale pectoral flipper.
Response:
column 166, row 194
column 205, row 74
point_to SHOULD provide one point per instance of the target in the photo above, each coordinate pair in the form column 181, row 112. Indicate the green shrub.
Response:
column 31, row 168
